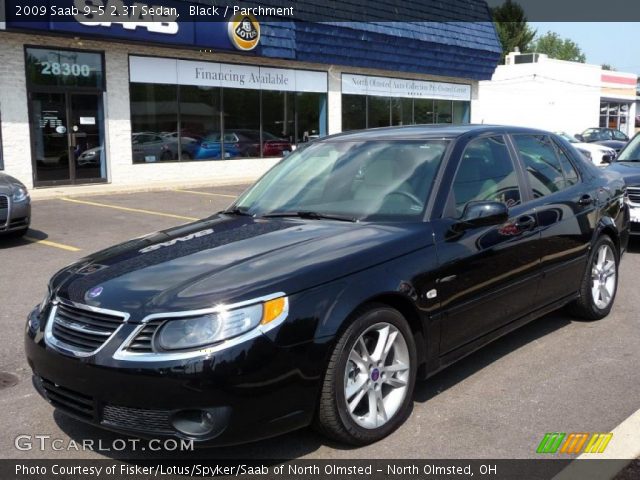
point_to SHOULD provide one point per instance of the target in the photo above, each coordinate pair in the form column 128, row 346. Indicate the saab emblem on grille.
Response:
column 95, row 292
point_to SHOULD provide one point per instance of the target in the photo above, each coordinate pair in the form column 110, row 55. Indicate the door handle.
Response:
column 526, row 222
column 585, row 200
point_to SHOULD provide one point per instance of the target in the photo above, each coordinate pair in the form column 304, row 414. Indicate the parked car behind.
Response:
column 15, row 206
column 628, row 165
column 600, row 155
column 356, row 265
column 243, row 143
column 609, row 137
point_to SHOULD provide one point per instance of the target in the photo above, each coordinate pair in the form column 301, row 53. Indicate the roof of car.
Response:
column 415, row 132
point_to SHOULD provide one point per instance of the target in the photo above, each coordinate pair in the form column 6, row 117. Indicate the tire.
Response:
column 186, row 156
column 166, row 156
column 393, row 388
column 592, row 304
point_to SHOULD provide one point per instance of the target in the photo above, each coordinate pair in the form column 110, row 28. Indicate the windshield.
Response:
column 388, row 180
column 631, row 152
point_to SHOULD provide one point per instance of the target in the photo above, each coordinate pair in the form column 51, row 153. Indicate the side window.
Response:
column 618, row 135
column 541, row 163
column 486, row 173
column 570, row 174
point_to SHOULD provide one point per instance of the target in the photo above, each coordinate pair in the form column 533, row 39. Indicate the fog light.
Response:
column 205, row 423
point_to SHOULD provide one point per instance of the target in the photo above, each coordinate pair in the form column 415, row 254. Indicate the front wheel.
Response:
column 368, row 386
column 600, row 282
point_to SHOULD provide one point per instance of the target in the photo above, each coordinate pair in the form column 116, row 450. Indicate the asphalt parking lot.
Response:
column 557, row 374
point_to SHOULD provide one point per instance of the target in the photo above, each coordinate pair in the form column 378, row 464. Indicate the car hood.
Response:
column 230, row 259
column 591, row 147
column 615, row 144
column 630, row 171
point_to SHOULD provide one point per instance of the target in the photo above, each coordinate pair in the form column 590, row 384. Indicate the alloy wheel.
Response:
column 603, row 277
column 377, row 375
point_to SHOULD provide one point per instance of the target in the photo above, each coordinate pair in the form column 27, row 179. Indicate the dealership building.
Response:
column 130, row 103
column 533, row 90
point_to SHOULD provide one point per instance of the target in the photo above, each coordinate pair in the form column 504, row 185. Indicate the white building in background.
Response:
column 533, row 90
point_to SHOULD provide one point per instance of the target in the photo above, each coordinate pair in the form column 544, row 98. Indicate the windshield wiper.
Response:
column 242, row 211
column 312, row 215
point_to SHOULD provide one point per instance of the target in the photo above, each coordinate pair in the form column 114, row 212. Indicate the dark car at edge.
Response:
column 627, row 164
column 357, row 265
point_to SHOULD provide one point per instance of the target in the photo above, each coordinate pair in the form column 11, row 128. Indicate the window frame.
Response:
column 449, row 210
column 555, row 144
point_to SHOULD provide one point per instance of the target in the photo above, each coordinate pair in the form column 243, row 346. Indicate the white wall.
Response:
column 120, row 168
column 552, row 95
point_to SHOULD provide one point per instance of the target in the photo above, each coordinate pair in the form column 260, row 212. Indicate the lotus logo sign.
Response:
column 244, row 31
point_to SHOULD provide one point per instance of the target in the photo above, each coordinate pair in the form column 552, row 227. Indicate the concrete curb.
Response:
column 51, row 193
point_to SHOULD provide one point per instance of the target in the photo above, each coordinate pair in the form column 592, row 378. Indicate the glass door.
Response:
column 86, row 137
column 49, row 137
column 68, row 138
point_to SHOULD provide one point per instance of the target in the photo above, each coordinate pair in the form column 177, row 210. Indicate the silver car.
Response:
column 15, row 206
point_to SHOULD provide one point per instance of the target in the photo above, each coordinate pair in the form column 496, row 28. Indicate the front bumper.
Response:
column 16, row 217
column 253, row 390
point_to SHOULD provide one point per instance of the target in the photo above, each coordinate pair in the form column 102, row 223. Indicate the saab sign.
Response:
column 155, row 21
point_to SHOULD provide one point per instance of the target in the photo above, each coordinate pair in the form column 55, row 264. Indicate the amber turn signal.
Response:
column 272, row 309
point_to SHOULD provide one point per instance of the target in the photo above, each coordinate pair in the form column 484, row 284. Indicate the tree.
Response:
column 511, row 25
column 606, row 66
column 557, row 47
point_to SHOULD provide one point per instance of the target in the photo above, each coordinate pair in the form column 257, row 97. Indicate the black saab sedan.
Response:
column 355, row 266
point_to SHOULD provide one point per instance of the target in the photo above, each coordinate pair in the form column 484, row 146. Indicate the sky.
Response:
column 615, row 43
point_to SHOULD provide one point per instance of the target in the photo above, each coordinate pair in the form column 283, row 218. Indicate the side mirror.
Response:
column 579, row 137
column 484, row 214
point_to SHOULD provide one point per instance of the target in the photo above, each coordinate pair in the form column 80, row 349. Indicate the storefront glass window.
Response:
column 1, row 155
column 401, row 111
column 354, row 112
column 154, row 122
column 378, row 113
column 312, row 116
column 278, row 122
column 443, row 111
column 200, row 123
column 423, row 111
column 615, row 115
column 461, row 112
column 241, row 123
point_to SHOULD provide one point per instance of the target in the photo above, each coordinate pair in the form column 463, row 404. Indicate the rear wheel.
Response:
column 600, row 282
column 368, row 387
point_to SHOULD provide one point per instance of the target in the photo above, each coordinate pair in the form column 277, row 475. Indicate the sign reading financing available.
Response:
column 244, row 31
column 404, row 88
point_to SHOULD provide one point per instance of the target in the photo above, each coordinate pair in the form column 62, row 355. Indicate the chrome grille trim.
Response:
column 634, row 195
column 59, row 333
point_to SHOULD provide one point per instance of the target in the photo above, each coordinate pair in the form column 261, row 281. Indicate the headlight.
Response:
column 211, row 328
column 20, row 194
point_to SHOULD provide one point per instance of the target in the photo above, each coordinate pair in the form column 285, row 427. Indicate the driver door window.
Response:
column 486, row 173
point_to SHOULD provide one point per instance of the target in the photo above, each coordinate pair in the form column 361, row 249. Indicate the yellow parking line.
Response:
column 204, row 193
column 48, row 243
column 127, row 209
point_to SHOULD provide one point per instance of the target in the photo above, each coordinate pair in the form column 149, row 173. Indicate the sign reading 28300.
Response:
column 65, row 69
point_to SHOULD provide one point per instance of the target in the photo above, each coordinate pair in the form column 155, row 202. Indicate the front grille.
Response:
column 634, row 194
column 142, row 341
column 156, row 421
column 83, row 330
column 67, row 400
